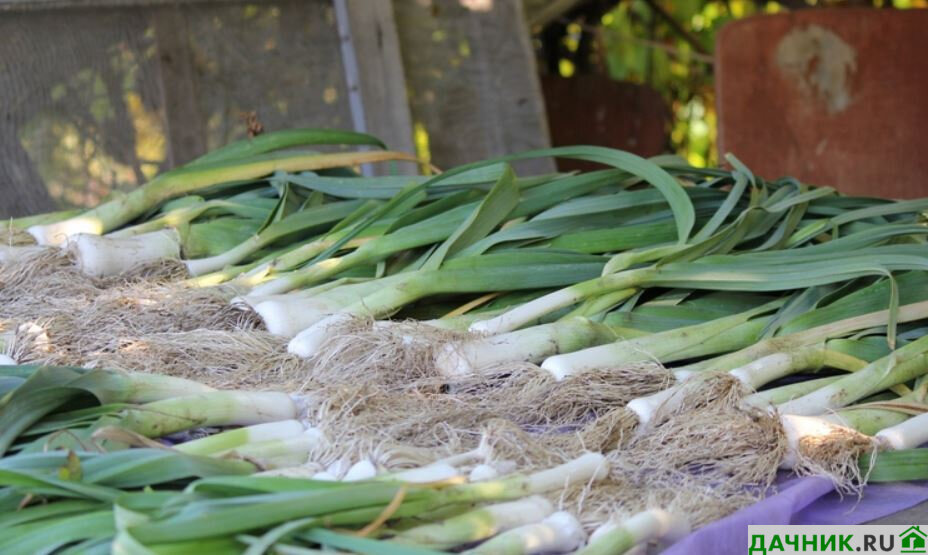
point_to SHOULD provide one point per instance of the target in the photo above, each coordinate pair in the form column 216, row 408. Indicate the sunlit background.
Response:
column 665, row 45
column 88, row 117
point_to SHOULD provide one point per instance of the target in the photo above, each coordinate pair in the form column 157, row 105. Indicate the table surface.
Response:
column 913, row 515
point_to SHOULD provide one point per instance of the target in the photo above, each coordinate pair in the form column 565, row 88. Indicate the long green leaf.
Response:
column 491, row 211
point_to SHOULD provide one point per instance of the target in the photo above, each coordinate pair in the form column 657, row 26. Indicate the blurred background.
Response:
column 97, row 96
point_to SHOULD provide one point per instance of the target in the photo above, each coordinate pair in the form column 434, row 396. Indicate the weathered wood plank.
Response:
column 21, row 5
column 472, row 79
column 81, row 112
column 382, row 78
column 186, row 128
column 278, row 58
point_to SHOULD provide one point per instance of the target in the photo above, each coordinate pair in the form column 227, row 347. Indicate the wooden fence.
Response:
column 97, row 96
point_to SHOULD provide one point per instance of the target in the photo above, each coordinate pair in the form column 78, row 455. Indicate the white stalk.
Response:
column 620, row 537
column 570, row 364
column 339, row 467
column 307, row 343
column 763, row 370
column 478, row 524
column 482, row 473
column 754, row 374
column 217, row 408
column 390, row 297
column 645, row 407
column 435, row 472
column 589, row 467
column 558, row 533
column 142, row 387
column 909, row 434
column 528, row 312
column 277, row 285
column 533, row 344
column 777, row 365
column 361, row 470
column 465, row 357
column 798, row 427
column 279, row 453
column 481, row 452
column 288, row 315
column 695, row 340
column 200, row 266
column 106, row 256
column 231, row 439
column 57, row 234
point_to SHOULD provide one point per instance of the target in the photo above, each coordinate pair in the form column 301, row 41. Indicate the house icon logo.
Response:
column 913, row 540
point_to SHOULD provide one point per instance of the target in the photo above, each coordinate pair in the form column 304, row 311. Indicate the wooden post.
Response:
column 380, row 66
column 185, row 126
column 473, row 84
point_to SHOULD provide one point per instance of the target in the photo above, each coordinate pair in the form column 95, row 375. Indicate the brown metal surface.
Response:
column 834, row 97
column 595, row 110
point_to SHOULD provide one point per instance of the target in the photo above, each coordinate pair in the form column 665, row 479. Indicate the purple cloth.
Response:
column 801, row 501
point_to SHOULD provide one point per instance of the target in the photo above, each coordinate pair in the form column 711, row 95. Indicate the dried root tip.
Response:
column 725, row 444
column 532, row 397
column 610, row 431
column 384, row 352
column 715, row 390
column 821, row 448
column 33, row 274
column 15, row 253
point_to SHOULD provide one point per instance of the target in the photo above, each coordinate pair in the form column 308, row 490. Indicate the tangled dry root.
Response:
column 535, row 398
column 620, row 497
column 703, row 453
column 524, row 416
column 88, row 321
column 835, row 456
column 731, row 446
column 387, row 353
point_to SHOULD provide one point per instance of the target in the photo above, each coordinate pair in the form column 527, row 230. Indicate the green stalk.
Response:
column 760, row 271
column 870, row 418
column 786, row 393
column 231, row 439
column 352, row 503
column 492, row 272
column 902, row 365
column 615, row 538
column 664, row 347
column 117, row 212
column 308, row 221
column 183, row 215
column 285, row 138
column 533, row 344
column 42, row 219
column 786, row 343
column 477, row 524
column 219, row 408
